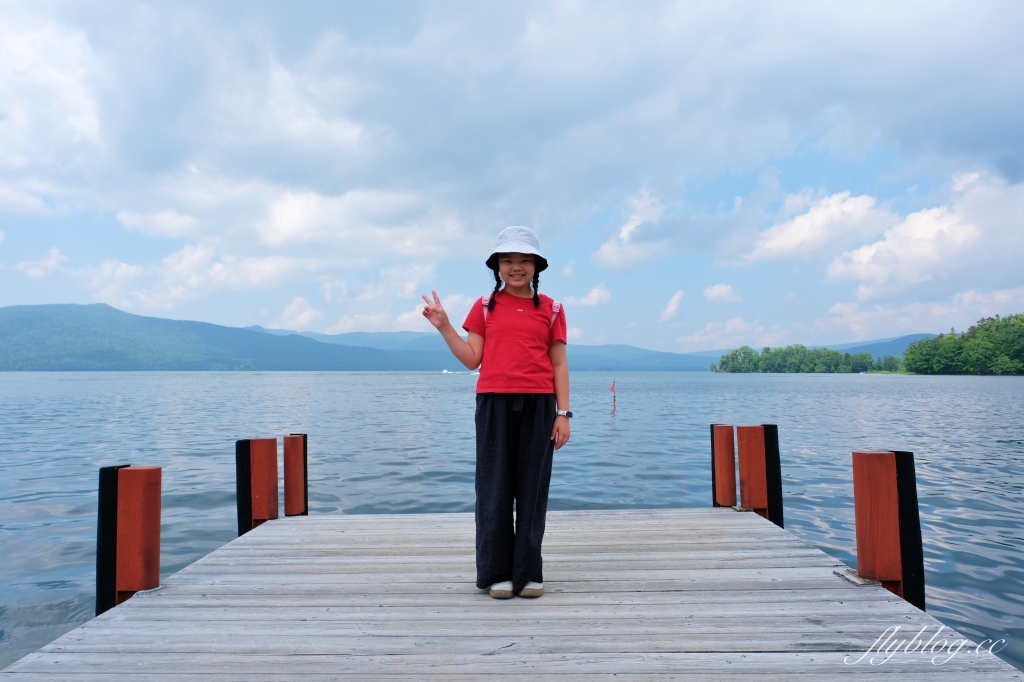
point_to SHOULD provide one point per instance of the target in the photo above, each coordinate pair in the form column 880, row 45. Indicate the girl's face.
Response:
column 516, row 269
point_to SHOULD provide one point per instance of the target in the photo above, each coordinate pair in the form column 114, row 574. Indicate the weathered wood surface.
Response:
column 651, row 594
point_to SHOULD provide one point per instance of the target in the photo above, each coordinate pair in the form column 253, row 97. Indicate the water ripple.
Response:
column 386, row 443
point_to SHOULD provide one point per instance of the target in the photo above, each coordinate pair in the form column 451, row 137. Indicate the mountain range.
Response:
column 97, row 337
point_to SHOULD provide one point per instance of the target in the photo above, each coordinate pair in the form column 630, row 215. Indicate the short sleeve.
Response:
column 558, row 328
column 475, row 320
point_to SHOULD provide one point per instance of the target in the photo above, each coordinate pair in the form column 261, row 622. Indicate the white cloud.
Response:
column 456, row 305
column 567, row 270
column 909, row 253
column 333, row 290
column 334, row 144
column 826, row 223
column 598, row 294
column 959, row 311
column 622, row 250
column 2, row 237
column 413, row 321
column 285, row 106
column 979, row 233
column 402, row 282
column 298, row 315
column 110, row 281
column 49, row 116
column 978, row 304
column 731, row 334
column 721, row 293
column 361, row 323
column 573, row 333
column 160, row 224
column 672, row 306
column 196, row 270
column 43, row 267
column 366, row 221
column 307, row 216
column 21, row 200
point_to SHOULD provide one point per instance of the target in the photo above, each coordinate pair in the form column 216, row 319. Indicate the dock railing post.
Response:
column 889, row 547
column 760, row 471
column 723, row 466
column 255, row 482
column 296, row 475
column 127, row 533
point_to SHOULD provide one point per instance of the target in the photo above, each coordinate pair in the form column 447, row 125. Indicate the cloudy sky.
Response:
column 701, row 174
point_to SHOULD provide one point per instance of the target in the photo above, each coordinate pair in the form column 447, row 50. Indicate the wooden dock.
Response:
column 648, row 594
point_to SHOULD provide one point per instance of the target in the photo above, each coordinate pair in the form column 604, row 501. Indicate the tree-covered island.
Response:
column 800, row 359
column 995, row 345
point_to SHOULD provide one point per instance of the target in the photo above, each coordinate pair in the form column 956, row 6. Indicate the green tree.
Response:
column 861, row 362
column 890, row 363
column 995, row 345
column 744, row 359
column 795, row 359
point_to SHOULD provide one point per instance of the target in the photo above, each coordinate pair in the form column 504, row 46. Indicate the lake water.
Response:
column 403, row 442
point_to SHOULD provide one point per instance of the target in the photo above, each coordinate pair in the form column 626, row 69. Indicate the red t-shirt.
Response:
column 517, row 337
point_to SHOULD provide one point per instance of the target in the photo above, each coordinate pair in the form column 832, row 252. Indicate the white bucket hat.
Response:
column 517, row 239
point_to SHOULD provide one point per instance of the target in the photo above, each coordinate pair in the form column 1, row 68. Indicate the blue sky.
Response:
column 701, row 174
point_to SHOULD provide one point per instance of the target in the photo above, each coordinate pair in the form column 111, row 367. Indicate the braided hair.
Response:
column 497, row 288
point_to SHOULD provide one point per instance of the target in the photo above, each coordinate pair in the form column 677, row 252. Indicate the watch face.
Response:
column 569, row 415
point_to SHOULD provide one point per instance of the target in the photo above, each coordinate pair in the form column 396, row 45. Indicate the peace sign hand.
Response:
column 434, row 312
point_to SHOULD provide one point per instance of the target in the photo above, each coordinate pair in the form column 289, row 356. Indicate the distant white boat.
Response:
column 444, row 371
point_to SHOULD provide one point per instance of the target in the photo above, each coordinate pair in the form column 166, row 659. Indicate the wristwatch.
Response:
column 563, row 413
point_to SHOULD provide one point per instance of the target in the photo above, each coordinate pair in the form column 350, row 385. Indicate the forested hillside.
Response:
column 995, row 345
column 98, row 337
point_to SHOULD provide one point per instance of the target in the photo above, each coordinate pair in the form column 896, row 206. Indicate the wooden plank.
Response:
column 506, row 662
column 550, row 554
column 442, row 587
column 401, row 564
column 232, row 634
column 619, row 635
column 871, row 611
column 365, row 644
column 669, row 616
column 648, row 594
column 725, row 673
column 755, row 601
column 600, row 544
column 674, row 577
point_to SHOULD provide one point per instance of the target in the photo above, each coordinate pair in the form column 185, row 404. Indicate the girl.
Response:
column 522, row 410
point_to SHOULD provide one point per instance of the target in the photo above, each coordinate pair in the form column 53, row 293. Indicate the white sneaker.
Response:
column 502, row 590
column 532, row 589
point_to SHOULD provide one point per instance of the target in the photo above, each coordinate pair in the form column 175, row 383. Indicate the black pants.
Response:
column 513, row 464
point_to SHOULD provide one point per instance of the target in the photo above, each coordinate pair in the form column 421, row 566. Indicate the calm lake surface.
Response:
column 403, row 442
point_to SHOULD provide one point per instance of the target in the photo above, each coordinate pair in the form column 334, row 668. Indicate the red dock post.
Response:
column 760, row 471
column 296, row 479
column 138, row 530
column 723, row 466
column 255, row 482
column 128, row 533
column 889, row 546
column 753, row 488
